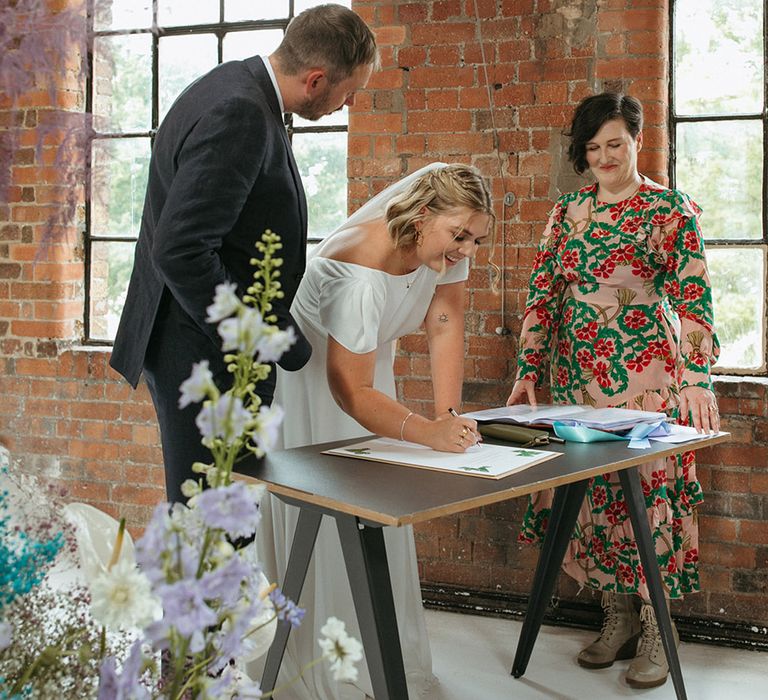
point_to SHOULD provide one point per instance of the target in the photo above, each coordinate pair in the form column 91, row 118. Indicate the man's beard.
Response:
column 314, row 108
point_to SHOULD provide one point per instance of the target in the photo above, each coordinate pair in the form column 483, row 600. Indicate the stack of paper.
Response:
column 600, row 418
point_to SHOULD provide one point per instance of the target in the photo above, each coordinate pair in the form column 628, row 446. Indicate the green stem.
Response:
column 290, row 682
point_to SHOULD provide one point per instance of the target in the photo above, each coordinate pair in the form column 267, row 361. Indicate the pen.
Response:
column 453, row 413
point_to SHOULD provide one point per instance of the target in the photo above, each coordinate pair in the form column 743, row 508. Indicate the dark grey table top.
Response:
column 398, row 495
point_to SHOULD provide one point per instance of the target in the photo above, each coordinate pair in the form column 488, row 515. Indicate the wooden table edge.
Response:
column 331, row 504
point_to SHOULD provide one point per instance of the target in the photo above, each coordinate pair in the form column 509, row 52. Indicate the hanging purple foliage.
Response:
column 43, row 49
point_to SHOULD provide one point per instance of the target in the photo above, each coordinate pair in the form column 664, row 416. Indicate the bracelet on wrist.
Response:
column 402, row 425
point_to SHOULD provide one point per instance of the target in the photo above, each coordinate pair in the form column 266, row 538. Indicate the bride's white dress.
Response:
column 364, row 310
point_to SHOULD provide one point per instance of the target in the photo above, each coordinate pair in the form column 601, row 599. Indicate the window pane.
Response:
column 322, row 160
column 237, row 10
column 174, row 13
column 240, row 45
column 118, row 182
column 122, row 92
column 720, row 165
column 111, row 264
column 738, row 282
column 122, row 14
column 339, row 118
column 183, row 59
column 719, row 56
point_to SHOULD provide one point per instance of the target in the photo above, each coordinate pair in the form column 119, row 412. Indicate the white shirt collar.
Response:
column 272, row 77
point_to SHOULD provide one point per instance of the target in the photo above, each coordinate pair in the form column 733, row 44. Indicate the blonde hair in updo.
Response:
column 440, row 191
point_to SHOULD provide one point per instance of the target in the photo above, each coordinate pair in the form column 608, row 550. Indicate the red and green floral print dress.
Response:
column 620, row 305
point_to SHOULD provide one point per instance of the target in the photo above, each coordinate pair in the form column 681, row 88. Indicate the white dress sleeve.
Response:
column 350, row 310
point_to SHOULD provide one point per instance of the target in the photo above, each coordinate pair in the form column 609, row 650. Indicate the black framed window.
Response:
column 719, row 134
column 142, row 53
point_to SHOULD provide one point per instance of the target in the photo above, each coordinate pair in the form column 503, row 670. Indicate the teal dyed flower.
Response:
column 24, row 559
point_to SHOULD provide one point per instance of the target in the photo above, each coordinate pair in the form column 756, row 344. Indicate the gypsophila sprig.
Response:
column 50, row 644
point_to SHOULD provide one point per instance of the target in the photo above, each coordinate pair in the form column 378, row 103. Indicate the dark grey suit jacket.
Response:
column 222, row 171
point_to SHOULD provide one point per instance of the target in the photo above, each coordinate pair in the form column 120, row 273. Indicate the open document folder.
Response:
column 545, row 414
column 489, row 461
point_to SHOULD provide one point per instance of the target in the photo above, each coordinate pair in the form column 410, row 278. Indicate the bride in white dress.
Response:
column 397, row 263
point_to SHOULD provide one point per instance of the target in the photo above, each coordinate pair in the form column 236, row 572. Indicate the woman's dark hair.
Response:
column 591, row 113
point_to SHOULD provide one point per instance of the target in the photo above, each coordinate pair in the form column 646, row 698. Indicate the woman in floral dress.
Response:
column 620, row 305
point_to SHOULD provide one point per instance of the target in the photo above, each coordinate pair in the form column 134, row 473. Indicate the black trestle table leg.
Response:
column 365, row 557
column 565, row 509
column 633, row 496
column 296, row 572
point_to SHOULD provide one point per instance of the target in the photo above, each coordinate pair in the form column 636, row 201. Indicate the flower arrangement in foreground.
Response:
column 198, row 596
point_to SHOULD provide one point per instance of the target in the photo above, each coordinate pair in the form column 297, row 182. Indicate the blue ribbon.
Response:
column 637, row 436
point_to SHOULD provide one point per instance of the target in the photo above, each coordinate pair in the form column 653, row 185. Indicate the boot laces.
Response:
column 650, row 639
column 610, row 616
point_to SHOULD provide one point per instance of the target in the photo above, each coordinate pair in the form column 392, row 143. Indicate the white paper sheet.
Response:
column 488, row 461
column 682, row 433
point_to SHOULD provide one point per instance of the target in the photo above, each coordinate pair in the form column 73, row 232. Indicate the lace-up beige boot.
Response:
column 649, row 667
column 619, row 635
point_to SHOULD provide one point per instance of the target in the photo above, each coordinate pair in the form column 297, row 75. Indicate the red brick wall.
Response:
column 430, row 103
column 63, row 414
column 66, row 415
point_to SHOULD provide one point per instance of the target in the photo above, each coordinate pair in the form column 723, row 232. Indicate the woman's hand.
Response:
column 522, row 389
column 702, row 406
column 448, row 433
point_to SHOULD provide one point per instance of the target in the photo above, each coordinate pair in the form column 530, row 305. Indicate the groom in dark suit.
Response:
column 222, row 172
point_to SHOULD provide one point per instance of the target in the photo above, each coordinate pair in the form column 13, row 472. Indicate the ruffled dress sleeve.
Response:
column 678, row 243
column 350, row 310
column 545, row 292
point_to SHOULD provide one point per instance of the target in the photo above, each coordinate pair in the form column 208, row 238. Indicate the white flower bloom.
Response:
column 341, row 650
column 225, row 302
column 268, row 426
column 122, row 598
column 226, row 417
column 243, row 332
column 196, row 388
column 274, row 343
column 6, row 635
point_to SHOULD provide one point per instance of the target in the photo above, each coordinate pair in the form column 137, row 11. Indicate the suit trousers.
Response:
column 175, row 345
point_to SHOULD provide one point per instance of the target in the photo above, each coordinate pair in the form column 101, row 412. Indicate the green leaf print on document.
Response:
column 526, row 453
column 485, row 470
column 359, row 450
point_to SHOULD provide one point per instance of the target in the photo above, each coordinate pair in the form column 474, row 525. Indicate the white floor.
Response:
column 472, row 658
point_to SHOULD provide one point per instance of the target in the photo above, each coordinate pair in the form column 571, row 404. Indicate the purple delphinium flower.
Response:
column 196, row 387
column 286, row 609
column 233, row 684
column 185, row 608
column 231, row 640
column 124, row 686
column 274, row 343
column 224, row 582
column 225, row 418
column 230, row 508
column 155, row 540
column 242, row 333
column 268, row 426
column 225, row 302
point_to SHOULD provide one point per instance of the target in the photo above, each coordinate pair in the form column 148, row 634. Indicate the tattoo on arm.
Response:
column 443, row 318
